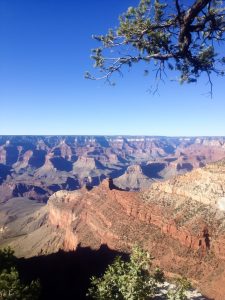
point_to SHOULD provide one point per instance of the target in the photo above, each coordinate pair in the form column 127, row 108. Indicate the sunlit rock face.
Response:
column 133, row 179
column 221, row 203
column 180, row 221
column 183, row 230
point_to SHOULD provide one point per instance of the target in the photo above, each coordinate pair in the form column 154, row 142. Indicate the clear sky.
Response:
column 44, row 51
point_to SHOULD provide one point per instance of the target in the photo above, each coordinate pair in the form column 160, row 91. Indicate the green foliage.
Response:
column 127, row 280
column 7, row 259
column 179, row 293
column 184, row 36
column 11, row 287
column 134, row 280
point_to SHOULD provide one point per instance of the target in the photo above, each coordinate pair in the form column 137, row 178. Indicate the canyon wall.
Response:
column 185, row 233
column 37, row 166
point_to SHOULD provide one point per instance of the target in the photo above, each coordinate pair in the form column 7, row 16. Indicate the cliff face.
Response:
column 133, row 179
column 205, row 185
column 181, row 221
column 191, row 203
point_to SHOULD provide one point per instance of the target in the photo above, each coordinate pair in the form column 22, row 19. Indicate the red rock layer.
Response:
column 185, row 234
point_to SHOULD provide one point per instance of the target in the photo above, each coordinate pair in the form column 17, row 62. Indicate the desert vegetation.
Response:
column 135, row 280
column 11, row 287
column 180, row 36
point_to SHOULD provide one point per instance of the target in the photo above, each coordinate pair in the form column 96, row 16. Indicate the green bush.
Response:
column 131, row 280
column 11, row 287
column 134, row 280
column 179, row 293
column 7, row 259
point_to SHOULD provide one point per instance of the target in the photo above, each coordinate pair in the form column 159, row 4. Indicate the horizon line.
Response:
column 113, row 135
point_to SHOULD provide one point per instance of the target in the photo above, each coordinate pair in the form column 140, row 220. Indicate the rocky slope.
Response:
column 133, row 179
column 180, row 221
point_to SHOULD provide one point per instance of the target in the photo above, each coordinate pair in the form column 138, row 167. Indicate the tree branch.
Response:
column 185, row 39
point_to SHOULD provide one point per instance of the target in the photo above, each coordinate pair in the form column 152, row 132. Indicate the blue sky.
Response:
column 44, row 51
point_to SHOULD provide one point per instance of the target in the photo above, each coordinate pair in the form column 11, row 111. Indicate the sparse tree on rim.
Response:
column 182, row 36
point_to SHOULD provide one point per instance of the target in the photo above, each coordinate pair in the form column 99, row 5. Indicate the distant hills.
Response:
column 37, row 166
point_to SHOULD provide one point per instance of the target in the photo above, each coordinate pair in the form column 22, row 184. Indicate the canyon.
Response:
column 180, row 221
column 35, row 167
column 165, row 194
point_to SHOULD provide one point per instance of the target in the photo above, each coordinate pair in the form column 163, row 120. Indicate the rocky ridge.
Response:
column 133, row 179
column 180, row 221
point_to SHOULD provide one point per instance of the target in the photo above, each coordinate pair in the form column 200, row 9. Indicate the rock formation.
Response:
column 180, row 221
column 133, row 179
column 184, row 231
column 45, row 164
